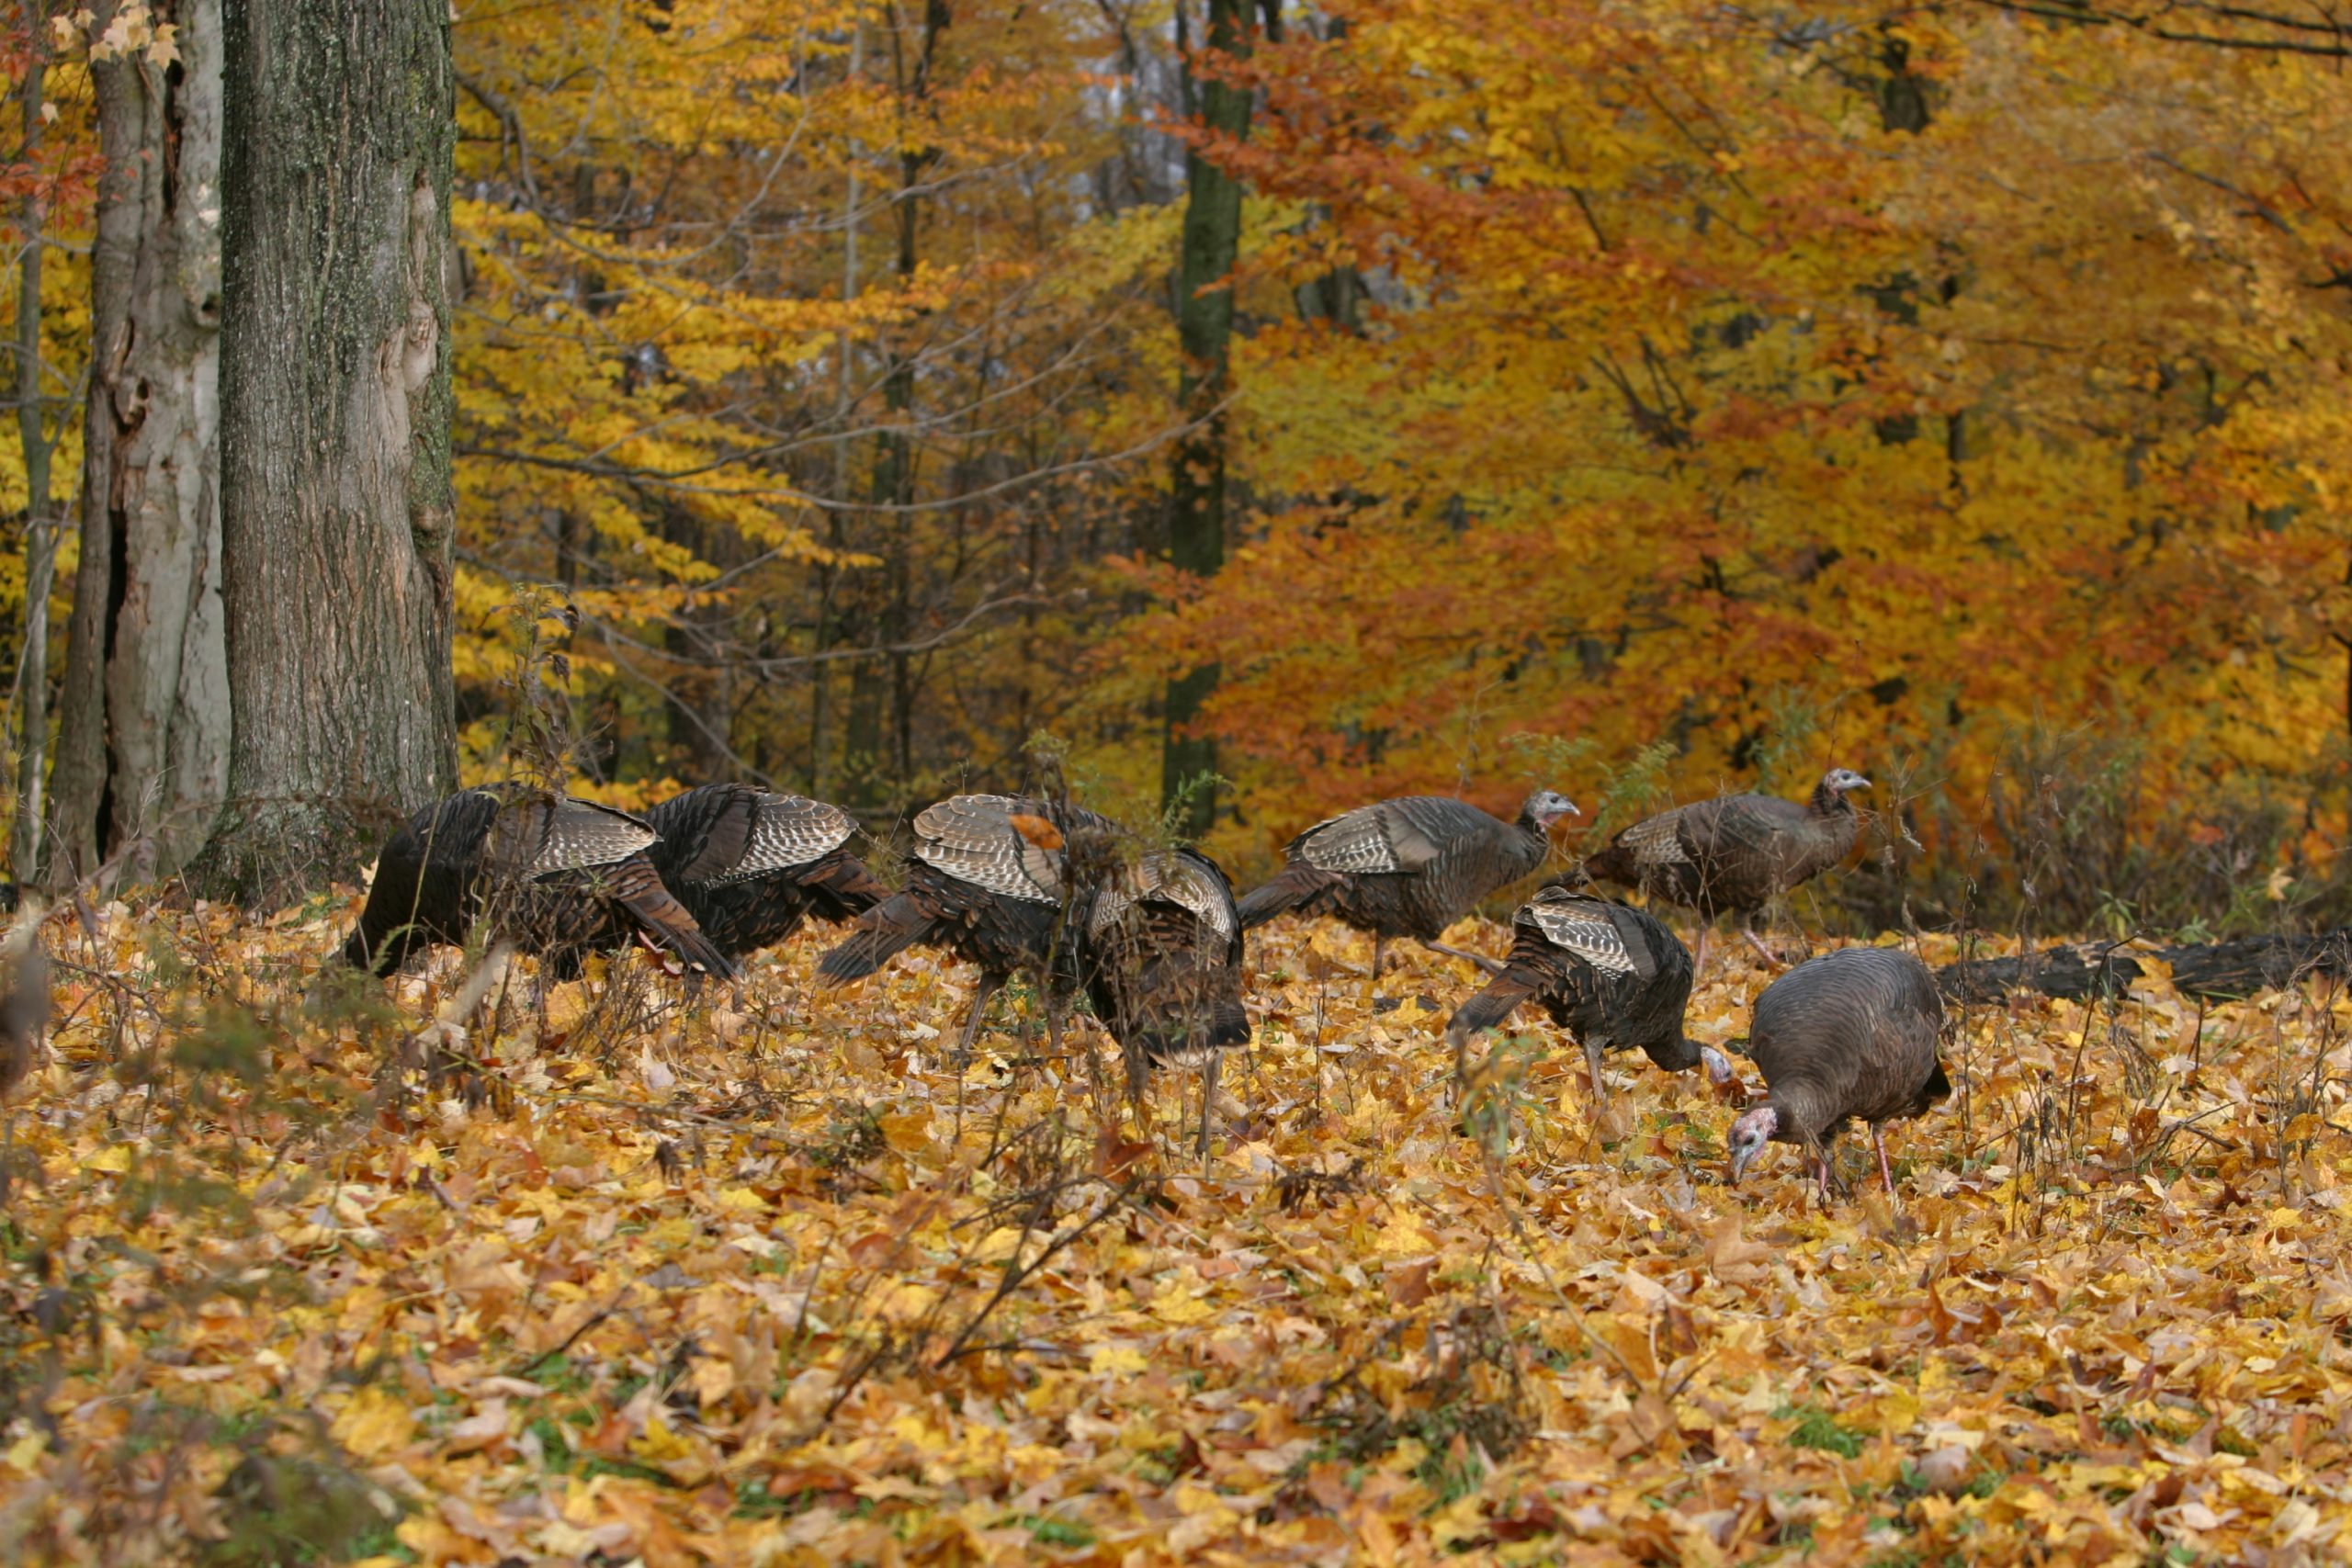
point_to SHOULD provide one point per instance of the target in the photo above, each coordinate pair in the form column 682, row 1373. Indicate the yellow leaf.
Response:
column 374, row 1423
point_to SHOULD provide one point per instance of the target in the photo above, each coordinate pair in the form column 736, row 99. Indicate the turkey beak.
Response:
column 1740, row 1159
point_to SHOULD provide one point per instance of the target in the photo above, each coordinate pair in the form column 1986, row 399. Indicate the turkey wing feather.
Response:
column 972, row 839
column 1583, row 927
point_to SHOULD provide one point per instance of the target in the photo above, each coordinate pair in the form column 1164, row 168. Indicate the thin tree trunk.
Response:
column 828, row 574
column 1211, row 245
column 40, row 528
column 881, row 693
column 335, row 427
column 143, row 751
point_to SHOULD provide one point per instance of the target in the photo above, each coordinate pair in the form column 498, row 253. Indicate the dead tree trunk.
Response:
column 2218, row 971
column 337, row 507
column 142, row 757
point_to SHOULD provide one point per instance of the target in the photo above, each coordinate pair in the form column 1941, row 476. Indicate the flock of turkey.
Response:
column 1153, row 935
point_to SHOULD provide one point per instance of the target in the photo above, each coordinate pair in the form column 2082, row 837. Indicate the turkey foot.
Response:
column 1488, row 965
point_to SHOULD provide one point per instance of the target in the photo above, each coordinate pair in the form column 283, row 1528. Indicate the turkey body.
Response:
column 1736, row 854
column 994, row 883
column 1852, row 1036
column 555, row 875
column 1163, row 967
column 750, row 865
column 1611, row 976
column 1407, row 867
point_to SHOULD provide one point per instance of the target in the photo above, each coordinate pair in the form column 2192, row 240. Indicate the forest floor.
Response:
column 771, row 1284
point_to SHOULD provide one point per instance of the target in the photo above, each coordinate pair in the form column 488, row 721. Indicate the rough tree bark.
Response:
column 143, row 760
column 1211, row 244
column 336, row 508
column 27, row 763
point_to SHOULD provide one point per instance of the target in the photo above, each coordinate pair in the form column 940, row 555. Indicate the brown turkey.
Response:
column 995, row 879
column 1611, row 976
column 1163, row 968
column 750, row 865
column 1852, row 1035
column 554, row 874
column 1410, row 866
column 1735, row 854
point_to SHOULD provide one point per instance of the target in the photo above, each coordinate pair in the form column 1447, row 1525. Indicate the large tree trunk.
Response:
column 337, row 507
column 143, row 751
column 1212, row 242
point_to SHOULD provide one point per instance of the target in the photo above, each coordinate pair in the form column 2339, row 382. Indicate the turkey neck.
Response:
column 1678, row 1052
column 1533, row 840
column 1807, row 1115
column 1827, row 801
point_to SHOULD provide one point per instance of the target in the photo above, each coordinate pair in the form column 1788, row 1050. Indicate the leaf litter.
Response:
column 300, row 1269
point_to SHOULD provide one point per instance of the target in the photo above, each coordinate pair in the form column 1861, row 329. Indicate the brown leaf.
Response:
column 1037, row 831
column 1732, row 1258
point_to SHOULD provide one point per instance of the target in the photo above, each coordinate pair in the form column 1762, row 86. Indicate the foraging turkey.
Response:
column 1611, row 974
column 556, row 874
column 1163, row 968
column 750, row 865
column 1735, row 854
column 1851, row 1035
column 994, row 880
column 1410, row 866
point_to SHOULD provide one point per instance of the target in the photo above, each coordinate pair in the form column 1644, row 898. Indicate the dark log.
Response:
column 2218, row 971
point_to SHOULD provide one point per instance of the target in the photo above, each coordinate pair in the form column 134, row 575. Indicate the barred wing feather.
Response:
column 972, row 839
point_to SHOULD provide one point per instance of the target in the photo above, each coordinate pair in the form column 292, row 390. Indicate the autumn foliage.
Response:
column 1638, row 399
column 1900, row 388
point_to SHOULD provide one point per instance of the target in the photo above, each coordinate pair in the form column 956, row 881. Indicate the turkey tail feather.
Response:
column 1298, row 886
column 883, row 932
column 1490, row 1007
column 664, row 920
column 841, row 888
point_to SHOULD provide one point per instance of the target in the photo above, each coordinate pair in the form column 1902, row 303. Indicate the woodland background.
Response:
column 1640, row 398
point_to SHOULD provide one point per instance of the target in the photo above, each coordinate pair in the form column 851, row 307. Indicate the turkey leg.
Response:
column 1592, row 1049
column 990, row 981
column 1885, row 1171
column 1488, row 965
column 1208, row 1097
column 1376, row 940
column 1699, row 964
column 1756, row 943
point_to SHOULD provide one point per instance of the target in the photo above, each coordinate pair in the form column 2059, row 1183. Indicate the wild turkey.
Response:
column 1611, row 974
column 1851, row 1035
column 1163, row 968
column 1410, row 866
column 1735, row 854
column 555, row 875
column 750, row 865
column 995, row 880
